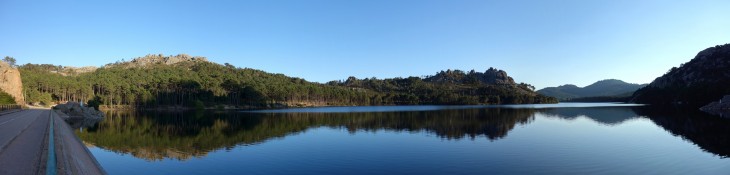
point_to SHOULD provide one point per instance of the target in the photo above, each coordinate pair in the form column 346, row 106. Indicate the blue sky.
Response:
column 544, row 43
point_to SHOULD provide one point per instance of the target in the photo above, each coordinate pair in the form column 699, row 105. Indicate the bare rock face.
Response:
column 75, row 110
column 149, row 60
column 496, row 76
column 10, row 82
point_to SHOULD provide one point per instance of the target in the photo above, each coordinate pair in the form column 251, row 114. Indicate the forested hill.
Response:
column 703, row 79
column 182, row 80
column 603, row 88
column 452, row 87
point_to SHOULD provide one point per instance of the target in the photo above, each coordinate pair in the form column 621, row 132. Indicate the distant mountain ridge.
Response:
column 703, row 79
column 603, row 88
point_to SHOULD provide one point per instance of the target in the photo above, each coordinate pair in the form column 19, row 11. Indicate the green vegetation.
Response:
column 156, row 80
column 6, row 99
column 182, row 84
column 451, row 87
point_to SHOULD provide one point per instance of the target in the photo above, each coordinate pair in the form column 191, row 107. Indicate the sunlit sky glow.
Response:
column 544, row 43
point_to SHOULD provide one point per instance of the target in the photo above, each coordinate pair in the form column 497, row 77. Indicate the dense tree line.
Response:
column 154, row 80
column 183, row 85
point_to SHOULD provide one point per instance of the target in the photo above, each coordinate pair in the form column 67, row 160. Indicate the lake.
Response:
column 566, row 138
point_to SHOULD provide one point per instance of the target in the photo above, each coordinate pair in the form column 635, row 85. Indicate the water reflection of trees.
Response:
column 183, row 135
column 154, row 136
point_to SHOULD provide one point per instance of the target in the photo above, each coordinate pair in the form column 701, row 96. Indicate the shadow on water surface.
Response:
column 711, row 133
column 184, row 135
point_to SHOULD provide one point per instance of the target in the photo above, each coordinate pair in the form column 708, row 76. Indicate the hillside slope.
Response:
column 186, row 81
column 603, row 88
column 703, row 79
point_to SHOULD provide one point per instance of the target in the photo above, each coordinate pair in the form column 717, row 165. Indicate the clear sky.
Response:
column 541, row 42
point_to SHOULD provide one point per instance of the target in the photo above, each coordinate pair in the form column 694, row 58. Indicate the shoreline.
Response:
column 228, row 108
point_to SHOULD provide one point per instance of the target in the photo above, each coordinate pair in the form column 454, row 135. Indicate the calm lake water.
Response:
column 567, row 138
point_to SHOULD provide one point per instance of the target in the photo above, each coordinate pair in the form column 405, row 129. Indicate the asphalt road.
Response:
column 24, row 145
column 23, row 138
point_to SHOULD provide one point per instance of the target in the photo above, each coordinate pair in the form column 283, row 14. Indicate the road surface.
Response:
column 24, row 145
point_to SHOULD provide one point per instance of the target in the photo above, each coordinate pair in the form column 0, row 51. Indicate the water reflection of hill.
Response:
column 154, row 136
column 602, row 115
column 710, row 133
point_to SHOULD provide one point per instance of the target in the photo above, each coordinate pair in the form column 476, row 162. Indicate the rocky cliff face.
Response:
column 10, row 82
column 696, row 83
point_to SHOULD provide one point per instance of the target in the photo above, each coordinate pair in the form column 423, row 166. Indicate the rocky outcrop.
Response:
column 496, row 76
column 10, row 82
column 73, row 110
column 721, row 108
column 159, row 59
column 492, row 76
